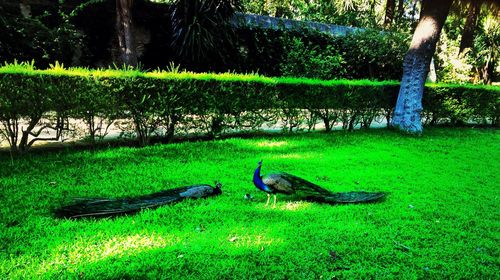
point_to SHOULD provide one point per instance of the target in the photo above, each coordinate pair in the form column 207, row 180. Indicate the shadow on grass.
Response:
column 334, row 137
column 75, row 147
column 52, row 161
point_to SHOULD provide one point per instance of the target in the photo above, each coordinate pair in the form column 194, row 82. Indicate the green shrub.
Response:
column 368, row 54
column 25, row 98
column 461, row 103
column 161, row 103
column 374, row 54
column 310, row 61
column 45, row 37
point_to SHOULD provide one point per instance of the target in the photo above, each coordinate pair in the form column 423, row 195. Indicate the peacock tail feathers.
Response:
column 104, row 207
column 349, row 197
column 299, row 185
column 282, row 182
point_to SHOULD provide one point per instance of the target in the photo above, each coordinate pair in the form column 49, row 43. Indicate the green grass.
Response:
column 441, row 219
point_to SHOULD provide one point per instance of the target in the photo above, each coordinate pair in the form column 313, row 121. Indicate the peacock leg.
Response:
column 274, row 205
column 268, row 197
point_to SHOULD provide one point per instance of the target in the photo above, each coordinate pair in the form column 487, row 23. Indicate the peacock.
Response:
column 281, row 182
column 98, row 207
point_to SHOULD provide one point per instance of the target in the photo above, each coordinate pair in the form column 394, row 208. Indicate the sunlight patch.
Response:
column 293, row 156
column 88, row 250
column 295, row 205
column 253, row 241
column 272, row 144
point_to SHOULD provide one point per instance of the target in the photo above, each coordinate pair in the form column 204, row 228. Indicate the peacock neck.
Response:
column 257, row 180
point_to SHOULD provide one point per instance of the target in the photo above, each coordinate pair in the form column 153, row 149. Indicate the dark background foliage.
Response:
column 85, row 37
column 45, row 37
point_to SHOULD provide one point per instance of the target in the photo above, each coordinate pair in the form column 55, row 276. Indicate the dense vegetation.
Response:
column 440, row 219
column 89, row 30
column 246, row 49
column 160, row 102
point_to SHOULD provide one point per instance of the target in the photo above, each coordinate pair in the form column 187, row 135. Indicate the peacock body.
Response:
column 98, row 207
column 285, row 183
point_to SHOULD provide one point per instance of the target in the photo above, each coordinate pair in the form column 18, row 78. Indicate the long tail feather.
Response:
column 302, row 186
column 313, row 192
column 99, row 207
column 349, row 197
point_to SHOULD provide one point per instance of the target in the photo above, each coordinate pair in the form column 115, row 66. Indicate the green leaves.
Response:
column 307, row 60
column 160, row 102
column 201, row 29
column 45, row 38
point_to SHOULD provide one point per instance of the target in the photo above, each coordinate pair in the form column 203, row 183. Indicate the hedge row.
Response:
column 160, row 103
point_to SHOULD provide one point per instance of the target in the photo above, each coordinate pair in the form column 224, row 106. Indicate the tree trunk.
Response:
column 389, row 12
column 172, row 122
column 416, row 65
column 487, row 70
column 125, row 32
column 401, row 10
column 470, row 25
column 328, row 127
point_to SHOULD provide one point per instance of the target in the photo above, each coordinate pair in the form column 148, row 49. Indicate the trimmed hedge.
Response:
column 160, row 103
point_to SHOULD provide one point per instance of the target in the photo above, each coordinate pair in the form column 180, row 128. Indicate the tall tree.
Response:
column 125, row 32
column 400, row 13
column 389, row 12
column 470, row 26
column 416, row 63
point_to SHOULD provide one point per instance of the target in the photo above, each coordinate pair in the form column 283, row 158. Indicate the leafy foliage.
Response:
column 477, row 64
column 374, row 54
column 208, row 103
column 311, row 61
column 368, row 54
column 360, row 13
column 201, row 29
column 486, row 51
column 44, row 38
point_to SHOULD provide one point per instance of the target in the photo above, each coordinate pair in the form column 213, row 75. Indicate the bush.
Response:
column 46, row 36
column 458, row 104
column 374, row 54
column 158, row 103
column 368, row 54
column 309, row 61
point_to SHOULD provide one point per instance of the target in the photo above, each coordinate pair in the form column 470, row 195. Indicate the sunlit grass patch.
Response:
column 440, row 219
column 295, row 206
column 91, row 250
column 272, row 144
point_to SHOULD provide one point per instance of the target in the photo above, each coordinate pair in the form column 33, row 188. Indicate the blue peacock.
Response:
column 284, row 183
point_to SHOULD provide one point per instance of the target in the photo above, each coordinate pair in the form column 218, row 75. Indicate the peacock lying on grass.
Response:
column 289, row 184
column 97, row 207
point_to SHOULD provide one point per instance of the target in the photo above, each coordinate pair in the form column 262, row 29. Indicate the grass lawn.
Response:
column 441, row 219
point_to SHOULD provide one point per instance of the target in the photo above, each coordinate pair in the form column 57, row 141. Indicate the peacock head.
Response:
column 218, row 185
column 218, row 188
column 260, row 163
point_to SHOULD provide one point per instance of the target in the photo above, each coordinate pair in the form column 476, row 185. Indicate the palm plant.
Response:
column 486, row 49
column 201, row 29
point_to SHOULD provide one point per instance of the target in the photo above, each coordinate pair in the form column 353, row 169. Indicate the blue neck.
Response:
column 257, row 181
